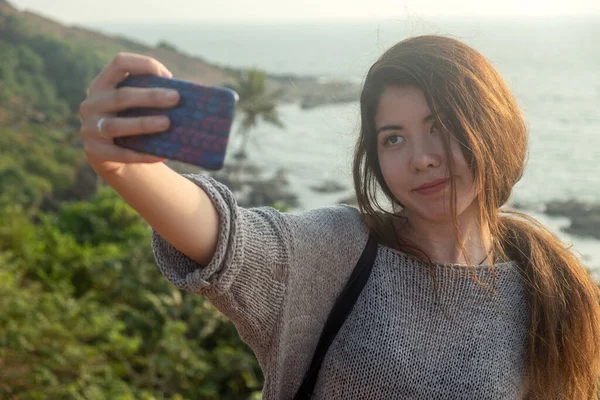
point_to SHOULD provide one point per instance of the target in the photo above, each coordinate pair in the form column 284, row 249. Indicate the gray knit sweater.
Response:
column 276, row 276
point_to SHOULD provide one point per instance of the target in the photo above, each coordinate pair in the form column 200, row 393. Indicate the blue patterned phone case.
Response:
column 200, row 122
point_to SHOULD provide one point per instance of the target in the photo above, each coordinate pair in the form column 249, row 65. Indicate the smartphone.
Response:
column 200, row 122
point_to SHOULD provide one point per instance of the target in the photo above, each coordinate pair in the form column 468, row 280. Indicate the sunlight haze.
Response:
column 81, row 11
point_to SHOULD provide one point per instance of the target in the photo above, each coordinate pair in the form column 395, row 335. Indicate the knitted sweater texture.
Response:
column 276, row 276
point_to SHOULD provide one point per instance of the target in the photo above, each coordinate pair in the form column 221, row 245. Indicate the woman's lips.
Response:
column 432, row 187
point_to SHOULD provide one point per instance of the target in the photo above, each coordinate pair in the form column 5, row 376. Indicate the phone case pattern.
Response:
column 200, row 123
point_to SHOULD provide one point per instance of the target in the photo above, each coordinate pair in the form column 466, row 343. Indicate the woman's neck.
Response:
column 440, row 243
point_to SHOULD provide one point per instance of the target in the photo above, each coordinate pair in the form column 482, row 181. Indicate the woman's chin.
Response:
column 441, row 214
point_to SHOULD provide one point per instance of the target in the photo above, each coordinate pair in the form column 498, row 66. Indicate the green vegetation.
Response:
column 84, row 311
column 43, row 79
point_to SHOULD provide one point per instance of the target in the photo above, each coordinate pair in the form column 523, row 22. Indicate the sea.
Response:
column 552, row 66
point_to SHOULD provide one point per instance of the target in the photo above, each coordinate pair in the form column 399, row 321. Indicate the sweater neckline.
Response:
column 499, row 265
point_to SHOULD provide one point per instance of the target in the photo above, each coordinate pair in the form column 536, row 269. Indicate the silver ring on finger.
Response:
column 99, row 126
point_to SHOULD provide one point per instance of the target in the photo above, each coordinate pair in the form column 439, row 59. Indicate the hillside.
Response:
column 86, row 312
column 304, row 89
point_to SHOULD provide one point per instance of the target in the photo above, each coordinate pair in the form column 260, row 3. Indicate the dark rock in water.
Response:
column 314, row 100
column 518, row 206
column 585, row 218
column 333, row 92
column 269, row 192
column 588, row 225
column 570, row 208
column 328, row 187
column 251, row 188
column 523, row 206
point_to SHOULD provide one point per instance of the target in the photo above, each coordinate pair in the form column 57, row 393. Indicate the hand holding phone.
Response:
column 200, row 122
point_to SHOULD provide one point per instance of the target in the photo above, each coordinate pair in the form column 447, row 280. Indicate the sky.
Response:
column 82, row 11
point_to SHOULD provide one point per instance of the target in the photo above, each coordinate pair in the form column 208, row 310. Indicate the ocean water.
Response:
column 552, row 66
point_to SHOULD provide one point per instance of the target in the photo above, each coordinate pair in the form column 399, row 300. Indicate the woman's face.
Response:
column 411, row 155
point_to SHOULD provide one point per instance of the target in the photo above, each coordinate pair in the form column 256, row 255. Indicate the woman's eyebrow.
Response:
column 426, row 120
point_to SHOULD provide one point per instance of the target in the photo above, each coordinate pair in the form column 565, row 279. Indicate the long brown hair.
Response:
column 472, row 103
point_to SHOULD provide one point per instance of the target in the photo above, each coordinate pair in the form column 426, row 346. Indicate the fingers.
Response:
column 124, row 64
column 113, row 101
column 113, row 127
column 104, row 100
column 104, row 152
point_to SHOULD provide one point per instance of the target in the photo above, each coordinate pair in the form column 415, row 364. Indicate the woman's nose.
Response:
column 426, row 154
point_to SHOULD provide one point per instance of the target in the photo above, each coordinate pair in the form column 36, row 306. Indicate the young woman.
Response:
column 465, row 299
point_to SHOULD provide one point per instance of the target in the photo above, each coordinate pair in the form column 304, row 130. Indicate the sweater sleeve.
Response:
column 247, row 277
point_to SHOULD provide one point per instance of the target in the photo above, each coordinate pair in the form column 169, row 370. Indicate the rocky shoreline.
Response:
column 584, row 217
column 252, row 186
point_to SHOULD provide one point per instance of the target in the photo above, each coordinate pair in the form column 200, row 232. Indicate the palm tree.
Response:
column 255, row 102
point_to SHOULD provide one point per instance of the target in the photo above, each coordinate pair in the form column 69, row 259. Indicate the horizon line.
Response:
column 353, row 20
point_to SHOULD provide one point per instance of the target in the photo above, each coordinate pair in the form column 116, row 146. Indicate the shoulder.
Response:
column 327, row 243
column 339, row 221
column 334, row 214
column 326, row 239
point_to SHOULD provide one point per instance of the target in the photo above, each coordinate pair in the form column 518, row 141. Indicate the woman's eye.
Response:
column 434, row 128
column 393, row 140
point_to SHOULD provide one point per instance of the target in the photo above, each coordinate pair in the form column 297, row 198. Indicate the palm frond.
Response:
column 255, row 102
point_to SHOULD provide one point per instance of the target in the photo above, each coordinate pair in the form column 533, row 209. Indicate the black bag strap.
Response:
column 339, row 312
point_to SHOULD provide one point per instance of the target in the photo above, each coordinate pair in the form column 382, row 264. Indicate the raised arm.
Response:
column 175, row 207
